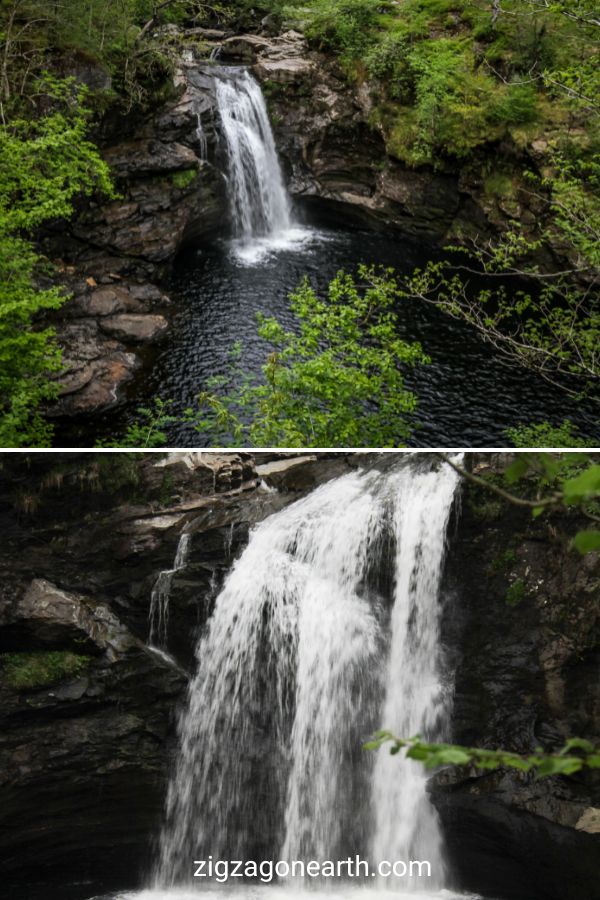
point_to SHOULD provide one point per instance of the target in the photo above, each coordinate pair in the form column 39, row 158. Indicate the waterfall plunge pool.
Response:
column 468, row 395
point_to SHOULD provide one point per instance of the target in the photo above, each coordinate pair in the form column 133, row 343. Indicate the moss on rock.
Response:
column 28, row 671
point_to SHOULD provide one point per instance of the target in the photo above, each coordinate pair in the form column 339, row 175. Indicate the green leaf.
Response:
column 577, row 744
column 554, row 765
column 587, row 541
column 583, row 486
column 517, row 469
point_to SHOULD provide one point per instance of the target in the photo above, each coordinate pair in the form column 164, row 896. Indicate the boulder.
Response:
column 134, row 327
column 245, row 47
column 284, row 71
column 47, row 617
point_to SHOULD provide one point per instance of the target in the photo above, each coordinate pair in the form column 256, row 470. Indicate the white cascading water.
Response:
column 259, row 203
column 299, row 664
column 158, row 616
column 201, row 138
column 258, row 199
column 416, row 700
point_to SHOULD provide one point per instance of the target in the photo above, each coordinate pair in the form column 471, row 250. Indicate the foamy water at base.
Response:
column 343, row 891
column 251, row 252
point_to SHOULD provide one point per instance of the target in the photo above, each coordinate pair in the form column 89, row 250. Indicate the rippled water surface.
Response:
column 468, row 396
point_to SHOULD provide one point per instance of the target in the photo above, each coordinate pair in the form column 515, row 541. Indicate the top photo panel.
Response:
column 299, row 223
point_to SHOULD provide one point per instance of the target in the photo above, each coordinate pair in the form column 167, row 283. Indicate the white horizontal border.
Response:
column 305, row 451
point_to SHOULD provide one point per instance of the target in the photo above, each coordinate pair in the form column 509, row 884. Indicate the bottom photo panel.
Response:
column 253, row 674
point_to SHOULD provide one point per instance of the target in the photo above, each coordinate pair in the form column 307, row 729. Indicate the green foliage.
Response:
column 28, row 671
column 543, row 434
column 504, row 561
column 576, row 755
column 346, row 26
column 338, row 381
column 587, row 541
column 45, row 162
column 148, row 430
column 557, row 481
column 449, row 104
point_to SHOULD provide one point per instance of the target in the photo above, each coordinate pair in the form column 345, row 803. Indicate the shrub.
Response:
column 517, row 104
column 347, row 26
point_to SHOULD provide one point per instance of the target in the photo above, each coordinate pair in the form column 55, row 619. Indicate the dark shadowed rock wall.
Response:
column 522, row 626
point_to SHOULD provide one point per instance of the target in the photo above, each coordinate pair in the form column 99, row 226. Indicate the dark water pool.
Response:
column 468, row 395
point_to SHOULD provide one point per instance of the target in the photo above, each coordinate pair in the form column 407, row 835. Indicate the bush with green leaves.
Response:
column 336, row 381
column 544, row 434
column 149, row 428
column 45, row 162
column 348, row 27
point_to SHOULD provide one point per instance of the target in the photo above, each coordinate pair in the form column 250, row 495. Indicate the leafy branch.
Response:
column 562, row 487
column 563, row 762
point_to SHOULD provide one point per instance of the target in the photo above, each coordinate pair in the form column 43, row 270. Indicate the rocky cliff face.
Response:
column 117, row 253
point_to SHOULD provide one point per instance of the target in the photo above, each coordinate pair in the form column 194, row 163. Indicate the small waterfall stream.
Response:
column 158, row 616
column 327, row 627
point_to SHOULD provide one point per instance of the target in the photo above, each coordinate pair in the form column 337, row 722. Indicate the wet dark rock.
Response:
column 527, row 675
column 82, row 778
column 99, row 330
column 157, row 215
column 144, row 158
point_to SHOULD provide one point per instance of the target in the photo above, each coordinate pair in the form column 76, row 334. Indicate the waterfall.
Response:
column 326, row 628
column 415, row 699
column 201, row 137
column 158, row 616
column 257, row 196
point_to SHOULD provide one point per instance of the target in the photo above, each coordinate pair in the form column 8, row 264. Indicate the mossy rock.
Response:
column 184, row 179
column 30, row 671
